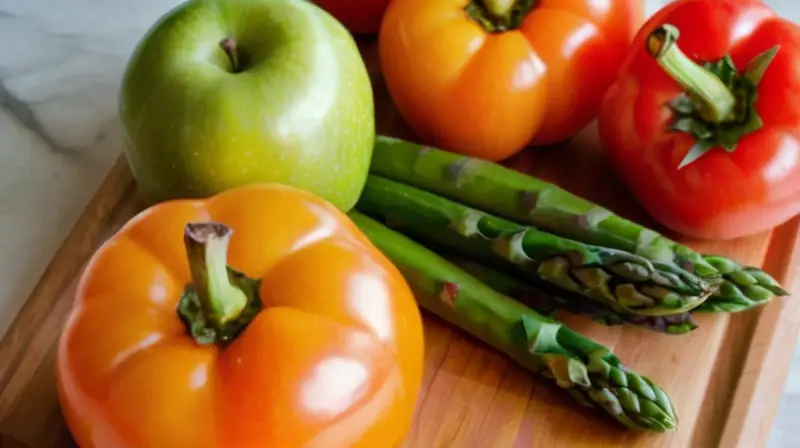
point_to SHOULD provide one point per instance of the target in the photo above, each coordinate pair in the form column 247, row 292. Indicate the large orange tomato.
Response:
column 313, row 340
column 488, row 77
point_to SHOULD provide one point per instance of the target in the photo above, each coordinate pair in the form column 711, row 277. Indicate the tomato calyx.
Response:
column 717, row 107
column 497, row 16
column 220, row 301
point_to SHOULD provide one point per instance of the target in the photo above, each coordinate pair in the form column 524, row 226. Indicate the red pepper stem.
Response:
column 207, row 248
column 718, row 101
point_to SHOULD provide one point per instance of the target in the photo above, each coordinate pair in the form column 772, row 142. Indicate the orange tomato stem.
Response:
column 220, row 302
column 207, row 248
column 717, row 99
column 499, row 8
column 497, row 16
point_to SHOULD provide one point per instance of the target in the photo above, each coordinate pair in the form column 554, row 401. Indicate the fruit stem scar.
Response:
column 228, row 45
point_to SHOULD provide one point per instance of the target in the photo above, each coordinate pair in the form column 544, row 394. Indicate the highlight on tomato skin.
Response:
column 258, row 317
column 709, row 159
column 488, row 78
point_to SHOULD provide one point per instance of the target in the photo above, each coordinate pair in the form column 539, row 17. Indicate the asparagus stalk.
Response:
column 517, row 196
column 586, row 369
column 547, row 301
column 620, row 280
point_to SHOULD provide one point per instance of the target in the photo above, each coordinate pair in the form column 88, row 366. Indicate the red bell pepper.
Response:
column 703, row 123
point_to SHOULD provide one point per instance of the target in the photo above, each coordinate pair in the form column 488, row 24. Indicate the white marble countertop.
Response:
column 60, row 68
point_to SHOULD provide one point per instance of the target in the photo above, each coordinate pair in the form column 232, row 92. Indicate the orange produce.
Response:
column 261, row 317
column 488, row 77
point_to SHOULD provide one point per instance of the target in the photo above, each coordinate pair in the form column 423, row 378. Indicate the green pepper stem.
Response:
column 207, row 248
column 719, row 102
column 499, row 8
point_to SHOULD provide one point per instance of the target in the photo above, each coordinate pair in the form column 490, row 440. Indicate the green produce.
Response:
column 517, row 196
column 224, row 93
column 744, row 287
column 622, row 281
column 547, row 301
column 586, row 369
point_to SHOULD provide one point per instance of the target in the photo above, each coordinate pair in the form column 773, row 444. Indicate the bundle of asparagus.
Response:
column 586, row 369
column 492, row 188
column 624, row 282
column 548, row 250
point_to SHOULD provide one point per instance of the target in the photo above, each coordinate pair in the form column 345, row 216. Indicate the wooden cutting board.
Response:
column 725, row 377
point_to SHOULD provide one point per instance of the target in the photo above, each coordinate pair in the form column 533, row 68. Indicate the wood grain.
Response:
column 725, row 378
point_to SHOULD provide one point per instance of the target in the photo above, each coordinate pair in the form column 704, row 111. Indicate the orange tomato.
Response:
column 487, row 93
column 324, row 349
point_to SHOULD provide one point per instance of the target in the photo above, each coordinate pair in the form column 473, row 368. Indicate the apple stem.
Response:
column 228, row 45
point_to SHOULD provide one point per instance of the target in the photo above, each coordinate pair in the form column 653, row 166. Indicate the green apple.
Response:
column 221, row 93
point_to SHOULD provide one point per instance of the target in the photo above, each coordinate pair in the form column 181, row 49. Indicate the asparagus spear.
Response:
column 517, row 196
column 586, row 369
column 620, row 280
column 547, row 301
column 744, row 287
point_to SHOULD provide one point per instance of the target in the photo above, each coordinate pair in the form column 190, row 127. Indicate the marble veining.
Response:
column 61, row 64
column 60, row 69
